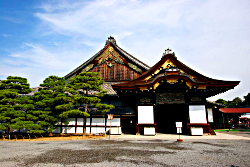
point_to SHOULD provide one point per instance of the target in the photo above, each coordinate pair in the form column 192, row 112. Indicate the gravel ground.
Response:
column 103, row 152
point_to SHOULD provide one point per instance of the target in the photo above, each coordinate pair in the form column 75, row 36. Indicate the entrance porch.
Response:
column 168, row 114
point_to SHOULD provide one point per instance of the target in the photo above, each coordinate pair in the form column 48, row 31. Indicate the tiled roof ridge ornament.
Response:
column 111, row 39
column 167, row 52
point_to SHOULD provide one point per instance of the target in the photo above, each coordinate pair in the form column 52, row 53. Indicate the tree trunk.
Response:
column 86, row 107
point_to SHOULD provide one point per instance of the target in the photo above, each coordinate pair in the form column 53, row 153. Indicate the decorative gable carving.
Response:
column 166, row 67
column 114, row 64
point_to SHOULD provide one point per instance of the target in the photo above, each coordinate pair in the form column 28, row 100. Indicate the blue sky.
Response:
column 41, row 38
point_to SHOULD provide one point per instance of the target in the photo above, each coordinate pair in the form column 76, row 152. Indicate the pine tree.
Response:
column 221, row 101
column 86, row 90
column 50, row 101
column 13, row 107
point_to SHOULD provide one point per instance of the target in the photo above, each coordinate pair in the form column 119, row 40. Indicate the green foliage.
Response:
column 86, row 89
column 78, row 99
column 18, row 83
column 54, row 100
column 247, row 99
column 236, row 102
column 13, row 108
column 221, row 101
column 36, row 131
column 50, row 101
column 73, row 113
column 102, row 108
column 54, row 83
column 84, row 82
column 27, row 125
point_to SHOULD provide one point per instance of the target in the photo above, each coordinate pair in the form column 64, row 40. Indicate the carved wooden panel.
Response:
column 170, row 98
column 113, row 67
column 118, row 72
column 196, row 99
column 145, row 99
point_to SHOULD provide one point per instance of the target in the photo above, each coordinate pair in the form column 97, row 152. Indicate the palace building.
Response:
column 149, row 100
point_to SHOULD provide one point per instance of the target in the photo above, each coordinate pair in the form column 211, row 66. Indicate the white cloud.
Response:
column 99, row 17
column 5, row 35
column 123, row 35
column 212, row 37
column 15, row 55
column 38, row 62
column 11, row 19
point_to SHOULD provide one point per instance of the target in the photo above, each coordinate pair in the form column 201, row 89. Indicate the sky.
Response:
column 46, row 37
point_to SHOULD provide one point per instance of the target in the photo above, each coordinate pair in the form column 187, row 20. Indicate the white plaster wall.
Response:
column 197, row 131
column 68, row 129
column 95, row 130
column 114, row 122
column 87, row 121
column 87, row 129
column 80, row 121
column 98, row 121
column 149, row 131
column 210, row 115
column 145, row 115
column 79, row 130
column 72, row 121
column 114, row 130
column 197, row 114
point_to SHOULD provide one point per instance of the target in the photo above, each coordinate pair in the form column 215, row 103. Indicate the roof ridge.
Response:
column 133, row 57
column 86, row 62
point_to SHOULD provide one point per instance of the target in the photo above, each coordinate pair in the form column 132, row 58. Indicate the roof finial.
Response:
column 111, row 39
column 168, row 51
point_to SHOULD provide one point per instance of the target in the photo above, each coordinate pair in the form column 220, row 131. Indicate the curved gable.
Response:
column 113, row 63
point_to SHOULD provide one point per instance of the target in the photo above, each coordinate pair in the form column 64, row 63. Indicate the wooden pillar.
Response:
column 223, row 120
column 61, row 125
column 137, row 131
column 121, row 122
column 84, row 125
column 105, row 117
column 155, row 120
column 76, row 125
column 90, row 126
column 188, row 122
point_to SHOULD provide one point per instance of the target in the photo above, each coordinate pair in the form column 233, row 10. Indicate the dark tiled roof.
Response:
column 107, row 87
